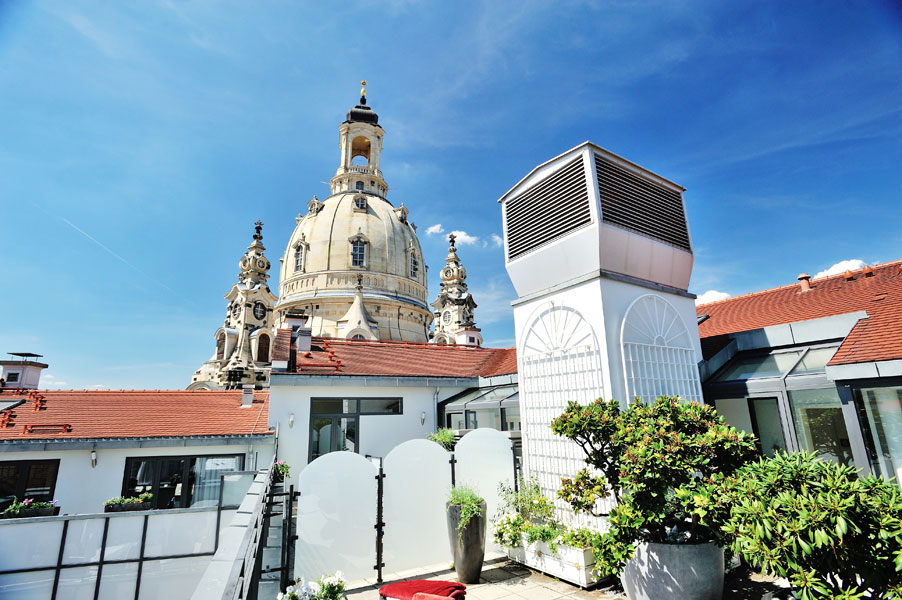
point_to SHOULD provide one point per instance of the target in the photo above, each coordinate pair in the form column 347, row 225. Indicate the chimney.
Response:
column 23, row 371
column 305, row 335
column 804, row 282
column 247, row 395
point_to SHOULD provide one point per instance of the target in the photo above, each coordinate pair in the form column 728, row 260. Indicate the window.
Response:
column 299, row 252
column 358, row 253
column 12, row 377
column 771, row 365
column 819, row 423
column 456, row 420
column 179, row 481
column 814, row 361
column 220, row 346
column 414, row 265
column 360, row 203
column 511, row 418
column 23, row 479
column 358, row 336
column 359, row 186
column 881, row 416
column 334, row 422
column 263, row 348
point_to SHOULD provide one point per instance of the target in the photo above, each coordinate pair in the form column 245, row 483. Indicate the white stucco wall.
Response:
column 81, row 488
column 377, row 434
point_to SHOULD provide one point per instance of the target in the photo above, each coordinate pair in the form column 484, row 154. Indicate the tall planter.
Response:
column 468, row 545
column 684, row 571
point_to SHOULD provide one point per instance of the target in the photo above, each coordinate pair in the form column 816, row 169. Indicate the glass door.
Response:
column 767, row 425
column 330, row 433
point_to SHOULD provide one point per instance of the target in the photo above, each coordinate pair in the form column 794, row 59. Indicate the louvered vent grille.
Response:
column 551, row 209
column 634, row 203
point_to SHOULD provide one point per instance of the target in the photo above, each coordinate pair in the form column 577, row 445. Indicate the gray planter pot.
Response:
column 468, row 546
column 684, row 571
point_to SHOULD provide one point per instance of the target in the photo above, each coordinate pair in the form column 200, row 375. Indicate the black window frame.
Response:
column 185, row 499
column 23, row 476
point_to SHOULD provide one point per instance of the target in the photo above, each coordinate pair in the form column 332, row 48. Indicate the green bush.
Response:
column 527, row 500
column 831, row 533
column 638, row 459
column 443, row 437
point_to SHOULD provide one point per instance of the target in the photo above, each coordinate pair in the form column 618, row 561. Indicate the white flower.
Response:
column 290, row 589
column 280, row 596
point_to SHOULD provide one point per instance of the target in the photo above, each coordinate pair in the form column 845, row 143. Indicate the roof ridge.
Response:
column 823, row 279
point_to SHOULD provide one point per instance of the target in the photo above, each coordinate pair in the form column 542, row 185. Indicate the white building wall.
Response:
column 377, row 434
column 82, row 489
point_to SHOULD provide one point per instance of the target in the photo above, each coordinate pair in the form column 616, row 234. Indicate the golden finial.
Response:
column 363, row 89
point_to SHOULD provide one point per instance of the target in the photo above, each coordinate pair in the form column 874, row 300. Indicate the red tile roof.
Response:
column 879, row 337
column 399, row 359
column 82, row 414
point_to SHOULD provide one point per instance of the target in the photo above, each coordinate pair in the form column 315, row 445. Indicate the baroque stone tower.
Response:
column 353, row 265
column 454, row 306
column 244, row 342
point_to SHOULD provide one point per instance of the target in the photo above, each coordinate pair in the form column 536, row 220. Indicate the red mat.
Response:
column 405, row 590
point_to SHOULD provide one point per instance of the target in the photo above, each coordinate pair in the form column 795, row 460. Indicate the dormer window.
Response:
column 359, row 186
column 360, row 203
column 414, row 265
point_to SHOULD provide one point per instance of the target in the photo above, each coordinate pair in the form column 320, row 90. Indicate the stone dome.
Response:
column 356, row 243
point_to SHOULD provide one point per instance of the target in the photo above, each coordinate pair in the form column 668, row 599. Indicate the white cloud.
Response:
column 435, row 229
column 496, row 239
column 842, row 266
column 97, row 386
column 711, row 296
column 462, row 238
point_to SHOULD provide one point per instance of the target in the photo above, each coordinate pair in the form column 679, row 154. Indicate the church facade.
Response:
column 353, row 268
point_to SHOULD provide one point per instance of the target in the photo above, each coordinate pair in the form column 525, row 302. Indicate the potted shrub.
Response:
column 466, row 532
column 444, row 437
column 280, row 470
column 638, row 459
column 30, row 508
column 831, row 533
column 525, row 526
column 129, row 503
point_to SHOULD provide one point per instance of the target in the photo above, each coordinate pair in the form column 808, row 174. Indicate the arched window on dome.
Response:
column 359, row 186
column 300, row 255
column 358, row 336
column 414, row 265
column 220, row 346
column 358, row 251
column 360, row 203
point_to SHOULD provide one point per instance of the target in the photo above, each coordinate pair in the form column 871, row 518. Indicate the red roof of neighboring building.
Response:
column 397, row 359
column 83, row 414
column 876, row 290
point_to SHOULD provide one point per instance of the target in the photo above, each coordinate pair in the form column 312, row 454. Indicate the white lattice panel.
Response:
column 658, row 357
column 560, row 361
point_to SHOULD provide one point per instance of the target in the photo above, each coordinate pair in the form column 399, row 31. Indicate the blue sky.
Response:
column 139, row 141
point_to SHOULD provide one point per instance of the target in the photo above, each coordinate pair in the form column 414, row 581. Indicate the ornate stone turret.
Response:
column 454, row 307
column 244, row 342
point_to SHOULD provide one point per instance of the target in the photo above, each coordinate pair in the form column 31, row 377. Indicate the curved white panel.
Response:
column 336, row 517
column 484, row 459
column 417, row 480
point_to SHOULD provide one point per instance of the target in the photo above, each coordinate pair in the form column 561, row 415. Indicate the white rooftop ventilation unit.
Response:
column 591, row 211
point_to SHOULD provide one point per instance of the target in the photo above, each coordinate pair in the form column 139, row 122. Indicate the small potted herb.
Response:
column 280, row 471
column 466, row 532
column 122, row 504
column 30, row 508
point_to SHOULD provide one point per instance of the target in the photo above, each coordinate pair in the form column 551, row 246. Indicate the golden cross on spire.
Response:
column 363, row 89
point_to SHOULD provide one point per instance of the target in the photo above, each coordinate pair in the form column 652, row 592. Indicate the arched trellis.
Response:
column 658, row 354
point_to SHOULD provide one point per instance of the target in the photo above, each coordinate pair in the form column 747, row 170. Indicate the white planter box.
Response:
column 570, row 564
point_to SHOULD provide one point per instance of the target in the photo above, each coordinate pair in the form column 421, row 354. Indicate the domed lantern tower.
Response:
column 354, row 264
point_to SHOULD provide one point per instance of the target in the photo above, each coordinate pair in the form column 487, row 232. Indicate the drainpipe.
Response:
column 435, row 405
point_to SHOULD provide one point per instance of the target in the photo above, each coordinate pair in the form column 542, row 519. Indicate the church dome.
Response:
column 355, row 242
